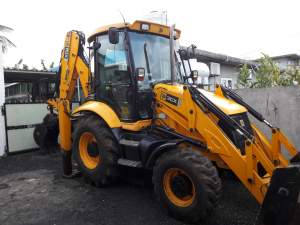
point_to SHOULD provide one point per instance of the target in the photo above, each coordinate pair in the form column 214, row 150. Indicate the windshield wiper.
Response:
column 147, row 61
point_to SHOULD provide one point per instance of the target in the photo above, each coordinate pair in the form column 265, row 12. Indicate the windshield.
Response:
column 152, row 52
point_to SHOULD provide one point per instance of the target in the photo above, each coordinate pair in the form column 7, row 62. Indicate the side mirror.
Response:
column 140, row 73
column 96, row 46
column 113, row 35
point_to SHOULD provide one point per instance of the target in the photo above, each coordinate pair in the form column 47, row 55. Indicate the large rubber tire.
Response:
column 105, row 148
column 198, row 175
column 46, row 133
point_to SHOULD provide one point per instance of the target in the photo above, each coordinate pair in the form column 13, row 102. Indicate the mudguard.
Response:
column 102, row 110
column 281, row 205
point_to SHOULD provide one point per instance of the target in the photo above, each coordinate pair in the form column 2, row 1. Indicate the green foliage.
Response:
column 4, row 41
column 25, row 67
column 45, row 67
column 293, row 73
column 268, row 74
column 18, row 64
column 243, row 78
column 43, row 64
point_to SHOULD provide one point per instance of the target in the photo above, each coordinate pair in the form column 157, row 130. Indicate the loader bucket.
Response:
column 281, row 205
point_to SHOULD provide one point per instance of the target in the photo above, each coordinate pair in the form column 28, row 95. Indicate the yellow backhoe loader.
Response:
column 143, row 109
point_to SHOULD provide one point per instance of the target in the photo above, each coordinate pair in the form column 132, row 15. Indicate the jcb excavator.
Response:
column 142, row 109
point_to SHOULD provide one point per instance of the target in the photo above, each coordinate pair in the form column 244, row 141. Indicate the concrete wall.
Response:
column 280, row 105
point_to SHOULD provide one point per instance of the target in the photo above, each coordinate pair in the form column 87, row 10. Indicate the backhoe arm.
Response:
column 73, row 64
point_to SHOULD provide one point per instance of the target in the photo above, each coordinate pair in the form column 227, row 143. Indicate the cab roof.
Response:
column 137, row 25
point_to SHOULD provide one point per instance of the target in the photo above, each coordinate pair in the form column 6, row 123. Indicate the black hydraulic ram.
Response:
column 230, row 94
column 202, row 101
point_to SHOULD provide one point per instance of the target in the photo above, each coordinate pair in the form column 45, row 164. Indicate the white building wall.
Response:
column 227, row 73
column 2, row 101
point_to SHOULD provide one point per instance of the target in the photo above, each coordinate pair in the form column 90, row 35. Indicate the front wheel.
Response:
column 95, row 150
column 187, row 184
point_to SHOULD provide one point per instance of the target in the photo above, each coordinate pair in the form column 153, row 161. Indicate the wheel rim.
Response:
column 179, row 187
column 88, row 154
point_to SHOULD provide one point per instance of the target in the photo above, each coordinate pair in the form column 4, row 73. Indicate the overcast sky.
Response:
column 240, row 28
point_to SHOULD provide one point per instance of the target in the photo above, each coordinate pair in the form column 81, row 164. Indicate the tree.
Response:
column 45, row 67
column 4, row 41
column 267, row 74
column 25, row 67
column 18, row 64
column 43, row 64
column 293, row 75
column 243, row 78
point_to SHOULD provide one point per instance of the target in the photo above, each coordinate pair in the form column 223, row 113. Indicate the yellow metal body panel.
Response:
column 136, row 126
column 102, row 110
column 187, row 118
column 155, row 28
column 72, row 66
column 64, row 125
column 226, row 105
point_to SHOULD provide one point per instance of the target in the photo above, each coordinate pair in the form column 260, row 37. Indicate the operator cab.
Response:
column 132, row 58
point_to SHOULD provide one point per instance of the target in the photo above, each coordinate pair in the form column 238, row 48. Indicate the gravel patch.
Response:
column 32, row 191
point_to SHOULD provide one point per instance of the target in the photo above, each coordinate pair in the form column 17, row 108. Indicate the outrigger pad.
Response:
column 281, row 205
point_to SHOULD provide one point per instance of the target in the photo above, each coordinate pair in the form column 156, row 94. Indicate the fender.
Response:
column 102, row 110
column 158, row 151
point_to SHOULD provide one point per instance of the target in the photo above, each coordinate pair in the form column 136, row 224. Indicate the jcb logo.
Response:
column 67, row 47
column 170, row 99
column 163, row 96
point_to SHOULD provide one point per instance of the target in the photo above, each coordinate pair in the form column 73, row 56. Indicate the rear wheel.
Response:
column 187, row 184
column 95, row 150
column 46, row 134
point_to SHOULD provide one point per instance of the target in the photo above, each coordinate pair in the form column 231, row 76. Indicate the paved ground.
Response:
column 32, row 191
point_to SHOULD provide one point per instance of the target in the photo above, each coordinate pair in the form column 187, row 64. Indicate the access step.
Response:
column 129, row 143
column 129, row 163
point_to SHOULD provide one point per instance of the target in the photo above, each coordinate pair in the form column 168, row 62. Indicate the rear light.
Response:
column 141, row 77
column 140, row 72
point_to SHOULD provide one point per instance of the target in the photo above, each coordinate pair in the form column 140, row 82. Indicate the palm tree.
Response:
column 4, row 41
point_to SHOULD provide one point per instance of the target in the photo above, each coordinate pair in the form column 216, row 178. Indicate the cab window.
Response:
column 114, row 77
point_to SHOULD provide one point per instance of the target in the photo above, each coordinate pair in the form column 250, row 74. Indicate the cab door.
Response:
column 113, row 80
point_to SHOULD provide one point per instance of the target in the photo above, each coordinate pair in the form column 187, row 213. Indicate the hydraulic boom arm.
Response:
column 73, row 64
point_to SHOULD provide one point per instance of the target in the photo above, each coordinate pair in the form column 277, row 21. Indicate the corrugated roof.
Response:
column 14, row 75
column 290, row 56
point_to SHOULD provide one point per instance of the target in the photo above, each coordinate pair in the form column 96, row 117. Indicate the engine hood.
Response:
column 226, row 105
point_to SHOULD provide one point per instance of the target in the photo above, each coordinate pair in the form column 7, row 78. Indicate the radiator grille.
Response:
column 237, row 139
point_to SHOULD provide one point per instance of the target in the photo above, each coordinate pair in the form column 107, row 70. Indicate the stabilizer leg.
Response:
column 67, row 163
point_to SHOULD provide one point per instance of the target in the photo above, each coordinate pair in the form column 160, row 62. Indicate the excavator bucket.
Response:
column 281, row 205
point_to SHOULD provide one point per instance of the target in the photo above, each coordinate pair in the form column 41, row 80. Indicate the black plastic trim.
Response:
column 160, row 150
